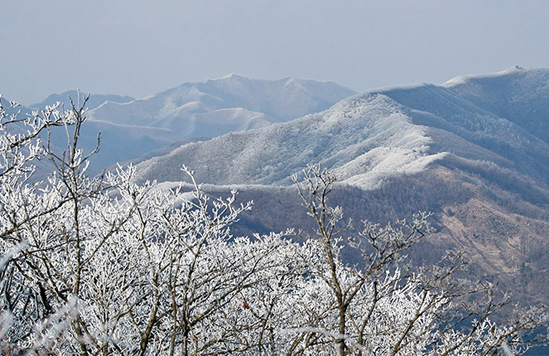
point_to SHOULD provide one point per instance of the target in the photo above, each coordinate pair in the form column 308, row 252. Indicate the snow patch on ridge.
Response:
column 372, row 169
column 463, row 79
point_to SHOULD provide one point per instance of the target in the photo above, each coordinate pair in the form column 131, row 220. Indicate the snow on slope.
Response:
column 231, row 103
column 132, row 128
column 516, row 94
column 366, row 139
column 94, row 101
column 482, row 170
column 471, row 130
column 369, row 138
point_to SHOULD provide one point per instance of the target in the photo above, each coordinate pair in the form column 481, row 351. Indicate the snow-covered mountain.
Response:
column 94, row 100
column 218, row 106
column 474, row 150
column 367, row 138
column 131, row 128
column 358, row 135
column 518, row 95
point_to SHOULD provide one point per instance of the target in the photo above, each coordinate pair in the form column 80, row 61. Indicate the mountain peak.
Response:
column 231, row 76
column 290, row 80
column 515, row 70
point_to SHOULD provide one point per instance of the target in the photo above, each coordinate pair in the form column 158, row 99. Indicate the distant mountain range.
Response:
column 474, row 150
column 378, row 134
column 77, row 96
column 131, row 127
column 202, row 109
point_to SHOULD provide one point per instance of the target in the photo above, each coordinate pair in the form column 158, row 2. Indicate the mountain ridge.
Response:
column 435, row 109
column 77, row 96
column 133, row 128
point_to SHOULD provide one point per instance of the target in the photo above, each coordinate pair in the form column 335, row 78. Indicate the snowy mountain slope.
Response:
column 199, row 109
column 120, row 142
column 131, row 128
column 367, row 138
column 516, row 94
column 501, row 227
column 504, row 141
column 364, row 137
column 94, row 101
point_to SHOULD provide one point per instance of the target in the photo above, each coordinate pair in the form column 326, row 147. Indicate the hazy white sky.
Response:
column 139, row 47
